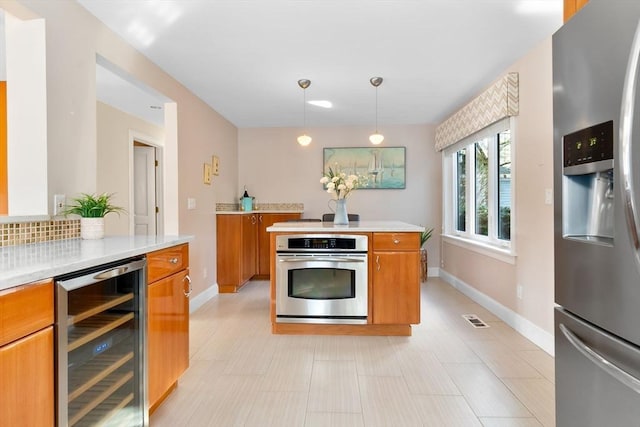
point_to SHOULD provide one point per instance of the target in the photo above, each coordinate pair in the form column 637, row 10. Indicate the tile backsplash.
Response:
column 20, row 233
column 226, row 207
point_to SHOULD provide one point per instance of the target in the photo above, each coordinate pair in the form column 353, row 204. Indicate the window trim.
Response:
column 491, row 245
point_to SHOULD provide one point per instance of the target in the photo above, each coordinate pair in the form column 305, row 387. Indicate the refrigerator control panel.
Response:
column 589, row 145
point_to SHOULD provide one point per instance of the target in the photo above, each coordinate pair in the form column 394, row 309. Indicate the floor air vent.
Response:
column 475, row 321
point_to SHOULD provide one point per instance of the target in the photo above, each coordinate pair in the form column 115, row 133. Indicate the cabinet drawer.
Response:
column 25, row 309
column 396, row 241
column 166, row 262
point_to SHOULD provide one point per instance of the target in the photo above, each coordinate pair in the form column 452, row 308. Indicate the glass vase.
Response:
column 341, row 217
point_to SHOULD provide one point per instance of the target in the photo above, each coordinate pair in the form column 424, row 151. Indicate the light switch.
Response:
column 191, row 203
column 548, row 196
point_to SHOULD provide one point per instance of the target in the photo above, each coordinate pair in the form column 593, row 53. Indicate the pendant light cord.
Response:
column 376, row 109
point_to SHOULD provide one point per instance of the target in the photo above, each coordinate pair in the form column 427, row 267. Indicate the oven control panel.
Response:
column 321, row 243
column 306, row 243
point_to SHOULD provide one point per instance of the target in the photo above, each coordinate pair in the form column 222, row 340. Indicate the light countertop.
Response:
column 23, row 264
column 328, row 227
column 258, row 211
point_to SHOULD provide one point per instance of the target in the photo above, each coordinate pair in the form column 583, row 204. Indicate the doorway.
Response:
column 146, row 189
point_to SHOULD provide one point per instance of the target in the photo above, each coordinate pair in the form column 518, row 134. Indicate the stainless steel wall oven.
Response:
column 321, row 278
column 101, row 340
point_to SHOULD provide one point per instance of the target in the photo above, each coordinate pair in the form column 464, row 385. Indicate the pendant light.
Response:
column 304, row 139
column 376, row 138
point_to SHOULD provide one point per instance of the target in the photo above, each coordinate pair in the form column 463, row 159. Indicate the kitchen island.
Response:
column 356, row 279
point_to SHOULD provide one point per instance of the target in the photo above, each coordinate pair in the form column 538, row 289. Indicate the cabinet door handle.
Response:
column 378, row 262
column 173, row 260
column 396, row 241
column 188, row 280
column 260, row 218
column 253, row 219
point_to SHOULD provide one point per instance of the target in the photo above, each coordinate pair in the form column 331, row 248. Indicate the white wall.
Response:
column 533, row 268
column 276, row 169
column 113, row 159
column 26, row 116
column 73, row 39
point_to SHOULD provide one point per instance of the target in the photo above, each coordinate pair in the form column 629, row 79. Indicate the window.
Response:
column 478, row 176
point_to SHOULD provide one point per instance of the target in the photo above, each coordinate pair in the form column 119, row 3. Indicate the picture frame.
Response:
column 215, row 165
column 206, row 174
column 384, row 167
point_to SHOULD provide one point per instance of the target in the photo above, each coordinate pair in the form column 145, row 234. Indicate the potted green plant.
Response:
column 424, row 236
column 92, row 209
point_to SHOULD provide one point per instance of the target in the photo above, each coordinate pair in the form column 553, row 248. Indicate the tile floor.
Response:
column 446, row 374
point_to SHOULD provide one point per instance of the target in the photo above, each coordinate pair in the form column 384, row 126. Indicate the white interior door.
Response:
column 144, row 189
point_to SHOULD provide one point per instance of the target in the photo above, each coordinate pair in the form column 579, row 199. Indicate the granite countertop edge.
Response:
column 356, row 226
column 23, row 264
column 259, row 211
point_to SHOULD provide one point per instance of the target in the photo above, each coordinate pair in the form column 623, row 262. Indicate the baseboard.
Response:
column 433, row 272
column 525, row 327
column 204, row 296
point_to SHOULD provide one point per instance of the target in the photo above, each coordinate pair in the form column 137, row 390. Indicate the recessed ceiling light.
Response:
column 323, row 104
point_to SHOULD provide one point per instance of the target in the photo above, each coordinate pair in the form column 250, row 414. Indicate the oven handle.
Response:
column 323, row 259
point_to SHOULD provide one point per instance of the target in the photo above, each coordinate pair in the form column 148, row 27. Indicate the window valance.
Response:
column 495, row 103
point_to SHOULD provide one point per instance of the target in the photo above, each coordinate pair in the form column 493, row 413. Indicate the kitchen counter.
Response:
column 356, row 226
column 259, row 211
column 27, row 263
column 391, row 279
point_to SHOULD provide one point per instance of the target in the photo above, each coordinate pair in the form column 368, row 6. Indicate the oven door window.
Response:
column 322, row 283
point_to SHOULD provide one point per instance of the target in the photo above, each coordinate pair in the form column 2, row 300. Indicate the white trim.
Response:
column 525, row 327
column 202, row 298
column 504, row 255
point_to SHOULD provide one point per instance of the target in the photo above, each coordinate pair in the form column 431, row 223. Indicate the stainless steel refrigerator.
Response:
column 596, row 115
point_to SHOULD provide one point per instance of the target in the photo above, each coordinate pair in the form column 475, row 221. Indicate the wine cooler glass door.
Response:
column 101, row 336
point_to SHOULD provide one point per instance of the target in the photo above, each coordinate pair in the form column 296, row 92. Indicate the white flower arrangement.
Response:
column 339, row 184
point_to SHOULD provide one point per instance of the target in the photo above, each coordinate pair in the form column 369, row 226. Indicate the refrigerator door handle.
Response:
column 615, row 371
column 625, row 141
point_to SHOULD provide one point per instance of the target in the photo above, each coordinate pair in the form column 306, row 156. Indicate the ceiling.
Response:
column 244, row 57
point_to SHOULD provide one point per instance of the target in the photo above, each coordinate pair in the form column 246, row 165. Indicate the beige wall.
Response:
column 533, row 269
column 276, row 169
column 113, row 158
column 74, row 37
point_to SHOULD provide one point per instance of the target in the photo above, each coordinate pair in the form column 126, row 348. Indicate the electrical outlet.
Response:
column 519, row 291
column 548, row 196
column 191, row 203
column 59, row 201
column 204, row 273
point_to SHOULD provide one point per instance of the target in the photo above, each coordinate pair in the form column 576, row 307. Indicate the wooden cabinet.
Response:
column 571, row 7
column 26, row 355
column 168, row 320
column 236, row 238
column 267, row 220
column 396, row 278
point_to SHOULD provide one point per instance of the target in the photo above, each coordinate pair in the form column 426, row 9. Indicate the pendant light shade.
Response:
column 376, row 138
column 304, row 139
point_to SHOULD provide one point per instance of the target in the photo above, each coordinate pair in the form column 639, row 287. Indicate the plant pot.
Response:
column 92, row 228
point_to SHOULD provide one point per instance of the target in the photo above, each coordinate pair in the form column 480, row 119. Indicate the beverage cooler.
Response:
column 101, row 336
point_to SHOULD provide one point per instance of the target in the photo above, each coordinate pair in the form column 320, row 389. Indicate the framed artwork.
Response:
column 383, row 167
column 215, row 165
column 206, row 174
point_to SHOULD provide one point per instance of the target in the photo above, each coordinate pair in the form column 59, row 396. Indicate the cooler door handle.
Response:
column 600, row 361
column 626, row 140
